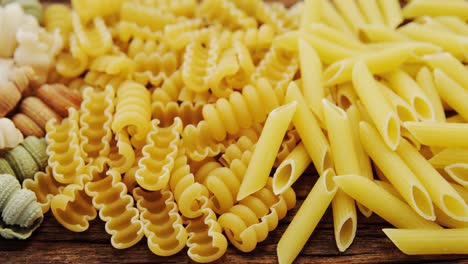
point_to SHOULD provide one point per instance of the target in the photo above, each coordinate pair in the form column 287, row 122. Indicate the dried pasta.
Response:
column 45, row 187
column 58, row 16
column 10, row 136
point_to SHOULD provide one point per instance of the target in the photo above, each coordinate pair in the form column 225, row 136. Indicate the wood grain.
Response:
column 52, row 243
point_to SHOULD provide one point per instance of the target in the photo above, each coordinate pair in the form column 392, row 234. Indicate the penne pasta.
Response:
column 309, row 130
column 441, row 192
column 370, row 11
column 345, row 95
column 268, row 145
column 382, row 203
column 336, row 36
column 409, row 90
column 307, row 217
column 328, row 51
column 458, row 172
column 449, row 156
column 291, row 169
column 410, row 138
column 423, row 242
column 418, row 8
column 350, row 12
column 392, row 12
column 311, row 13
column 332, row 18
column 376, row 104
column 439, row 134
column 455, row 119
column 404, row 111
column 449, row 65
column 426, row 81
column 380, row 61
column 396, row 171
column 379, row 33
column 444, row 219
column 453, row 23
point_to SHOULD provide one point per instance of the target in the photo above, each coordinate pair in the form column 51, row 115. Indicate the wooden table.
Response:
column 52, row 243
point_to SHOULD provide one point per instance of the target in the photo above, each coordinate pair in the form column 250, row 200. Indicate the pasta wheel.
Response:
column 158, row 155
column 100, row 80
column 45, row 187
column 95, row 133
column 162, row 223
column 94, row 38
column 10, row 136
column 116, row 209
column 21, row 214
column 63, row 148
column 133, row 110
column 122, row 155
column 89, row 9
column 249, row 222
column 58, row 16
column 188, row 112
column 206, row 242
column 149, row 16
column 179, row 35
column 226, row 13
column 125, row 31
column 113, row 65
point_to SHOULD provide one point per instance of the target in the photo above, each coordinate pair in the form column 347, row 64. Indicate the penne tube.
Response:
column 376, row 104
column 370, row 11
column 410, row 138
column 311, row 13
column 404, row 111
column 342, row 149
column 311, row 73
column 426, row 81
column 287, row 41
column 448, row 41
column 309, row 130
column 439, row 134
column 392, row 12
column 456, row 119
column 449, row 156
column 424, row 242
column 411, row 69
column 452, row 93
column 441, row 192
column 382, row 203
column 346, row 96
column 444, row 219
column 396, row 171
column 379, row 33
column 455, row 24
column 379, row 61
column 410, row 91
column 350, row 12
column 449, row 65
column 363, row 113
column 332, row 18
column 458, row 172
column 416, row 8
column 328, row 51
column 389, row 188
column 336, row 36
column 266, row 149
column 307, row 217
column 431, row 23
column 290, row 169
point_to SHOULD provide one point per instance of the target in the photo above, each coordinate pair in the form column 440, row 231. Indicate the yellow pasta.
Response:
column 449, row 156
column 436, row 8
column 142, row 15
column 75, row 62
column 158, row 155
column 161, row 220
column 350, row 12
column 95, row 39
column 89, row 9
column 452, row 93
column 446, row 241
column 379, row 33
column 276, row 15
column 121, row 156
column 189, row 113
column 178, row 35
column 332, row 18
column 392, row 12
column 404, row 111
column 323, row 47
column 291, row 169
column 439, row 134
column 397, row 172
column 100, row 80
column 116, row 209
column 45, row 187
column 335, row 36
column 454, row 24
column 58, row 16
column 226, row 13
column 449, row 65
column 113, row 65
column 125, row 30
column 380, row 111
column 427, row 83
column 371, row 12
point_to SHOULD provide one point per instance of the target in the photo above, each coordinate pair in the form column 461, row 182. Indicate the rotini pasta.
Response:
column 113, row 65
column 45, row 187
column 158, row 155
column 149, row 16
column 89, row 9
column 276, row 15
column 116, row 209
column 162, row 222
column 94, row 38
column 226, row 13
column 178, row 35
column 121, row 155
column 75, row 62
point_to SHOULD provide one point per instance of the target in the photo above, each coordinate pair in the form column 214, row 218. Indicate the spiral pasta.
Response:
column 206, row 242
column 116, row 209
column 73, row 63
column 133, row 110
column 249, row 222
column 169, row 90
column 125, row 30
column 100, row 80
column 158, row 155
column 63, row 148
column 143, row 15
column 154, row 68
column 179, row 34
column 245, row 144
column 113, row 65
column 121, row 156
column 189, row 113
column 186, row 191
column 45, row 187
column 226, row 13
column 58, row 16
column 94, row 38
column 277, row 15
column 10, row 136
column 184, row 8
column 95, row 133
column 162, row 223
column 21, row 214
column 89, row 9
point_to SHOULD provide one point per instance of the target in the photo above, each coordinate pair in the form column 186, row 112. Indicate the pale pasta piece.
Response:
column 454, row 24
column 226, row 13
column 441, row 192
column 332, row 18
column 45, row 187
column 113, row 65
column 309, row 130
column 449, row 156
column 376, row 104
column 324, row 48
column 382, row 202
column 371, row 12
column 74, row 62
column 404, row 111
column 418, row 8
column 392, row 12
column 151, row 16
column 89, row 9
column 397, row 172
column 426, row 81
column 350, row 12
column 379, row 33
column 419, row 242
column 10, row 136
column 311, row 12
column 346, row 96
column 291, row 169
column 408, row 89
column 306, row 219
column 122, row 155
column 335, row 36
column 277, row 15
column 458, row 172
column 449, row 65
column 94, row 38
column 451, row 135
column 178, row 35
column 452, row 93
column 266, row 149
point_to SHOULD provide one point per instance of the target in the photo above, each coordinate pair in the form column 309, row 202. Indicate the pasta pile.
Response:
column 189, row 106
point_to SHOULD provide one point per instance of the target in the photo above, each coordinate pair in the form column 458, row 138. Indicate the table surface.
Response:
column 52, row 243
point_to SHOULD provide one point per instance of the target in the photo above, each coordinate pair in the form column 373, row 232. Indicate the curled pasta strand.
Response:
column 45, row 187
column 109, row 196
column 121, row 155
column 89, row 9
column 149, row 16
column 256, row 38
column 249, row 222
column 146, row 46
column 63, row 148
column 113, row 65
column 189, row 113
column 73, row 63
column 95, row 133
column 243, row 146
column 100, row 80
column 158, row 155
column 10, row 136
column 226, row 13
column 169, row 90
column 58, row 16
column 125, row 30
column 277, row 15
column 178, row 35
column 95, row 39
column 154, row 68
column 162, row 223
